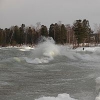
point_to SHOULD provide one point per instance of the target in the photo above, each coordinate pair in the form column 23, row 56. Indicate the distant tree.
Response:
column 7, row 38
column 82, row 30
column 52, row 31
column 97, row 31
column 70, row 34
column 30, row 36
column 1, row 36
column 16, row 35
column 33, row 35
column 58, row 32
column 4, row 37
column 11, row 35
column 22, row 34
column 44, row 31
column 63, row 34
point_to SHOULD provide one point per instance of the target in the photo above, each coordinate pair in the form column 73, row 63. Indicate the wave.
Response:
column 97, row 88
column 63, row 96
column 48, row 50
column 44, row 52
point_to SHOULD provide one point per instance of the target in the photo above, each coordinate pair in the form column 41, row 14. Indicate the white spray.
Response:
column 44, row 52
column 47, row 50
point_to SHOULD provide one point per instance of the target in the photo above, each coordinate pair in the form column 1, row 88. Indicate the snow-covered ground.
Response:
column 90, row 49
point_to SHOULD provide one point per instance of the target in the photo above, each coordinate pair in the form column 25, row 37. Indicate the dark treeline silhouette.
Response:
column 76, row 34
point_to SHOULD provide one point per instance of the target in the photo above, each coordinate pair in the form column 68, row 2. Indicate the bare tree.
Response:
column 97, row 31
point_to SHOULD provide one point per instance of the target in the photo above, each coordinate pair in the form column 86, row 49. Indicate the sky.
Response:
column 30, row 12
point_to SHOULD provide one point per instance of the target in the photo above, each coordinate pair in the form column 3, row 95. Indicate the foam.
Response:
column 17, row 59
column 98, row 80
column 48, row 50
column 37, row 60
column 89, row 49
column 63, row 96
column 97, row 88
column 26, row 48
column 88, row 54
column 97, row 98
column 2, row 83
column 44, row 52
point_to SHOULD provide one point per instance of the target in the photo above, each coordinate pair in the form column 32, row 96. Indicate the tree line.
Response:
column 78, row 33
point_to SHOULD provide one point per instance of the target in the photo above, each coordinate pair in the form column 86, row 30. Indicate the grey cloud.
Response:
column 48, row 11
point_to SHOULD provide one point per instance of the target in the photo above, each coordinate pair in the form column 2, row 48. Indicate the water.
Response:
column 49, row 72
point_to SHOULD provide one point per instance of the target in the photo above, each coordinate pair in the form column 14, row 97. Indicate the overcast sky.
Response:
column 29, row 12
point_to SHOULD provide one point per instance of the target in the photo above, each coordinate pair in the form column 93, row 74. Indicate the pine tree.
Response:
column 44, row 31
column 63, row 34
column 82, row 30
column 52, row 31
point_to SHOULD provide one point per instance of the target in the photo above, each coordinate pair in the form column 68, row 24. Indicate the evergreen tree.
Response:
column 63, row 34
column 44, row 31
column 4, row 37
column 87, row 30
column 82, row 30
column 30, row 35
column 16, row 35
column 1, row 37
column 52, row 31
column 21, row 34
column 7, row 38
column 57, row 33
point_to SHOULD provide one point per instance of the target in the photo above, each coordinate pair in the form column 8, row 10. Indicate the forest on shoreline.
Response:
column 79, row 33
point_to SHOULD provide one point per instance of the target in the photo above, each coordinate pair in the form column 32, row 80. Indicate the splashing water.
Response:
column 59, row 97
column 47, row 50
column 70, row 74
column 44, row 52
